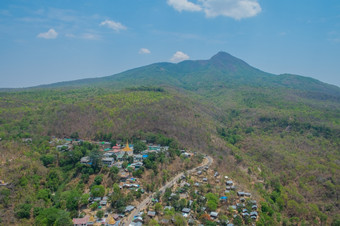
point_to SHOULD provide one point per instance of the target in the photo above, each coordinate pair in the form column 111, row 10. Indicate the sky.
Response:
column 43, row 42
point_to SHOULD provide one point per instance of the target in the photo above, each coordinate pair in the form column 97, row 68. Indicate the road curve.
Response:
column 147, row 200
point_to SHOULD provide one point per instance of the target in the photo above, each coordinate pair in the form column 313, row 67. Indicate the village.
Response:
column 197, row 196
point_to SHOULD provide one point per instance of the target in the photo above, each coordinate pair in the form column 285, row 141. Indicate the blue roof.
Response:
column 145, row 156
column 224, row 197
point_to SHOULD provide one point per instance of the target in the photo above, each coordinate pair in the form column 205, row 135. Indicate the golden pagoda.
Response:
column 127, row 148
column 111, row 221
column 92, row 219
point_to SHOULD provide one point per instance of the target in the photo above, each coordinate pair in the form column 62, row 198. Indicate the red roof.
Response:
column 81, row 221
column 116, row 147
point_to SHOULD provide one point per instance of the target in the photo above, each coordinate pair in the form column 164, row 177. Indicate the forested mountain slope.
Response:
column 277, row 134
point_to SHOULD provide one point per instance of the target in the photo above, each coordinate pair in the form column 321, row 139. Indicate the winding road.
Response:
column 127, row 221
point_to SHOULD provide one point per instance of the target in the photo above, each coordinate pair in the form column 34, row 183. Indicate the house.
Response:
column 137, row 158
column 165, row 221
column 81, row 221
column 216, row 174
column 62, row 147
column 85, row 160
column 168, row 207
column 108, row 154
column 229, row 182
column 205, row 179
column 103, row 203
column 136, row 224
column 186, row 210
column 240, row 193
column 183, row 184
column 244, row 211
column 138, row 219
column 228, row 187
column 137, row 165
column 151, row 213
column 197, row 184
column 108, row 161
column 116, row 147
column 118, row 165
column 213, row 214
column 242, row 199
column 129, row 208
column 245, row 214
column 186, row 154
column 247, row 194
column 97, row 199
column 154, row 148
column 223, row 198
column 254, row 207
column 254, row 213
column 199, row 172
column 124, row 176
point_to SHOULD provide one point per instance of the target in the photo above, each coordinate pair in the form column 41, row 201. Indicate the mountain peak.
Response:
column 226, row 61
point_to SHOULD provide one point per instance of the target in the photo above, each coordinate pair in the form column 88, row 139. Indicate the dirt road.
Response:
column 127, row 221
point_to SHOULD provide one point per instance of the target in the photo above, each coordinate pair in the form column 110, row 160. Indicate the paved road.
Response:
column 127, row 221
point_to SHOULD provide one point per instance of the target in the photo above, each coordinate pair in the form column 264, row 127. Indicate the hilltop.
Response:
column 278, row 135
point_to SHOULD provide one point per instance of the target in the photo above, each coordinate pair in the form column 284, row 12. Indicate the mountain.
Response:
column 277, row 135
column 222, row 69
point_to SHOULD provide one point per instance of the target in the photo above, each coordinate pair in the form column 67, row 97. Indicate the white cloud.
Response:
column 185, row 5
column 144, row 51
column 113, row 25
column 51, row 34
column 236, row 9
column 90, row 36
column 179, row 56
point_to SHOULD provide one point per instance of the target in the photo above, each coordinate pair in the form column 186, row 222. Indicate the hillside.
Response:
column 279, row 135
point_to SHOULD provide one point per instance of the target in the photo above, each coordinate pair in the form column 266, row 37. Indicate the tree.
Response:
column 23, row 210
column 180, row 220
column 43, row 194
column 138, row 147
column 211, row 205
column 53, row 216
column 158, row 207
column 84, row 200
column 98, row 191
column 100, row 214
column 153, row 222
column 125, row 164
column 94, row 206
column 47, row 159
column 114, row 170
column 74, row 135
column 98, row 179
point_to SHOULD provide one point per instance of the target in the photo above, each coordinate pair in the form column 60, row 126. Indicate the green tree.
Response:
column 23, row 210
column 158, row 207
column 98, row 179
column 100, row 214
column 53, row 216
column 98, row 191
column 43, row 194
column 138, row 147
column 84, row 200
column 94, row 206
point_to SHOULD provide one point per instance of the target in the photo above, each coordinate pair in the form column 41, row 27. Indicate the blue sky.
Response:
column 43, row 41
